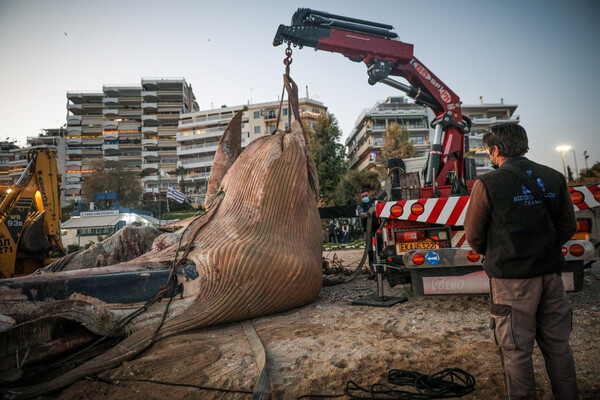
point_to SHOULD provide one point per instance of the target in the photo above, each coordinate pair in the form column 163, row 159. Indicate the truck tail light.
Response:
column 418, row 259
column 576, row 250
column 584, row 225
column 417, row 209
column 396, row 210
column 410, row 236
column 473, row 256
column 577, row 197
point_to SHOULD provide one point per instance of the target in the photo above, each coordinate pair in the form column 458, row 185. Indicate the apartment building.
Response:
column 484, row 115
column 199, row 134
column 197, row 139
column 163, row 101
column 133, row 124
column 7, row 158
column 84, row 138
column 366, row 139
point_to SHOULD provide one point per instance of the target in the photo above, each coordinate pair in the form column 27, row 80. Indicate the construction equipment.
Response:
column 420, row 239
column 30, row 217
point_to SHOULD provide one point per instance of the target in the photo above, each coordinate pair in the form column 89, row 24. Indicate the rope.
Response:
column 448, row 383
column 158, row 296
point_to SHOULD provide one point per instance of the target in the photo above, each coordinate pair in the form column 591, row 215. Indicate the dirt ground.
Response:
column 316, row 349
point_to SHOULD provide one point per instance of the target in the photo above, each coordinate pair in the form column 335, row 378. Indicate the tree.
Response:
column 181, row 172
column 397, row 143
column 113, row 176
column 350, row 186
column 329, row 156
column 569, row 174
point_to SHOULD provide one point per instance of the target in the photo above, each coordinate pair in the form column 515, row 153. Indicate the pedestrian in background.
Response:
column 331, row 232
column 519, row 217
column 345, row 232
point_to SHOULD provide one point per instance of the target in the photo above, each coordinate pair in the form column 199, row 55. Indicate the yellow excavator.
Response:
column 30, row 217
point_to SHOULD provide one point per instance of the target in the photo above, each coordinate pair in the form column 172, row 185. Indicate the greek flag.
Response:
column 175, row 195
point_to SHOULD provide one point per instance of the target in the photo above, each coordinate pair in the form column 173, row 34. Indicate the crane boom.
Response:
column 376, row 45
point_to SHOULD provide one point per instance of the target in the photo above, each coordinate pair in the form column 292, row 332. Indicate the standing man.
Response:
column 331, row 237
column 365, row 208
column 520, row 230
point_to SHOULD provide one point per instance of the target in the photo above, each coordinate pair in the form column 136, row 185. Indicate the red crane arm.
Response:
column 374, row 44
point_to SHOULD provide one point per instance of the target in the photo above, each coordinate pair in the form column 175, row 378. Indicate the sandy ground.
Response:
column 316, row 349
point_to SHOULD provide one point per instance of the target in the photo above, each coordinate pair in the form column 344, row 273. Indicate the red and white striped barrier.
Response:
column 585, row 196
column 459, row 239
column 443, row 210
column 452, row 210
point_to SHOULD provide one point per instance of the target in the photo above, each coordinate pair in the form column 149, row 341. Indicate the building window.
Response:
column 271, row 129
column 257, row 129
column 256, row 114
column 285, row 111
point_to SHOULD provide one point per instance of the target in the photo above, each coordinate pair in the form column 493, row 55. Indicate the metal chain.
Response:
column 288, row 59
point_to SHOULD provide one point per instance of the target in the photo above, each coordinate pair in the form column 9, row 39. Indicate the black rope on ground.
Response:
column 448, row 383
column 116, row 381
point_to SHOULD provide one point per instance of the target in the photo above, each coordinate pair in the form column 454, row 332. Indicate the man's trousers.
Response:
column 524, row 310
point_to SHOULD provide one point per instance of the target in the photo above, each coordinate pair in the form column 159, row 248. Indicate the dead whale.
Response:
column 256, row 251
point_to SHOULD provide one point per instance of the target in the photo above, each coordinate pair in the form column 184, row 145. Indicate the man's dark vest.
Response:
column 521, row 239
column 365, row 207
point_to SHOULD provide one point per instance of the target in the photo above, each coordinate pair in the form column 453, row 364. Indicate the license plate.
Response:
column 403, row 247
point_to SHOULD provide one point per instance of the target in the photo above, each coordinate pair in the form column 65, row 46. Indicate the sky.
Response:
column 540, row 55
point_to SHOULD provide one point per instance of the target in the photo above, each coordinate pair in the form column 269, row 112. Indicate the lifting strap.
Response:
column 262, row 389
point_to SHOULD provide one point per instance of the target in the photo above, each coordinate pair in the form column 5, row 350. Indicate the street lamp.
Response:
column 562, row 150
column 576, row 169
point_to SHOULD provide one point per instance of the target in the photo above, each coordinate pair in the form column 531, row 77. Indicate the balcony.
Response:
column 73, row 193
column 110, row 112
column 74, row 140
column 151, row 154
column 196, row 177
column 198, row 162
column 73, row 152
column 73, row 163
column 110, row 101
column 110, row 134
column 76, row 109
column 149, row 141
column 110, row 125
column 73, row 120
column 74, row 130
column 150, row 120
column 112, row 146
column 200, row 134
column 149, row 97
column 71, row 186
column 149, row 129
column 18, row 163
column 149, row 107
column 198, row 148
column 153, row 166
column 111, row 158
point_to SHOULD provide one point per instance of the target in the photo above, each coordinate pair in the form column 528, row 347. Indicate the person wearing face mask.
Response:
column 365, row 208
column 519, row 217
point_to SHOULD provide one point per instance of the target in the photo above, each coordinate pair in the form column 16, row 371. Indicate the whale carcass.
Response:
column 256, row 251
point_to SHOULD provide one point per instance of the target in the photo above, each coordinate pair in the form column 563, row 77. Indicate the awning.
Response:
column 92, row 222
